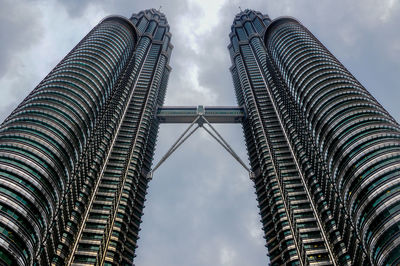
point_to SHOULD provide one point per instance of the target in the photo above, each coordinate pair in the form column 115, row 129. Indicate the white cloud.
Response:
column 387, row 8
column 227, row 256
column 201, row 18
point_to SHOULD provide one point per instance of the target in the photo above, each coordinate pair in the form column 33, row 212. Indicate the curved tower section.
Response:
column 356, row 139
column 44, row 141
column 108, row 231
column 295, row 231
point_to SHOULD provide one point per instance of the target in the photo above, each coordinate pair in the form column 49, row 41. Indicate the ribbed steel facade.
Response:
column 75, row 153
column 325, row 153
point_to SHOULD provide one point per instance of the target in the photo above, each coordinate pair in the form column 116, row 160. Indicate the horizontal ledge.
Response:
column 214, row 114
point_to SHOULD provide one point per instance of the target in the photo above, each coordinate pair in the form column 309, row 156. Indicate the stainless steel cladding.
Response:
column 357, row 139
column 325, row 152
column 73, row 152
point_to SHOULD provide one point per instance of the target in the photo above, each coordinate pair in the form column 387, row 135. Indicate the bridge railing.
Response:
column 214, row 114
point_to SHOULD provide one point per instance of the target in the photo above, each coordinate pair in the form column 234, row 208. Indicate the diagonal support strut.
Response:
column 200, row 120
column 182, row 138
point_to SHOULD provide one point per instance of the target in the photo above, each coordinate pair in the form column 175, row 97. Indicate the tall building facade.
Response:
column 75, row 153
column 325, row 153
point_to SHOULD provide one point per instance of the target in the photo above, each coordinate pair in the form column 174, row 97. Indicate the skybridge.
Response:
column 213, row 114
column 201, row 117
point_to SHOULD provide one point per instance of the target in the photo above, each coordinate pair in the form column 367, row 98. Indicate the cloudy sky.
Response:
column 201, row 208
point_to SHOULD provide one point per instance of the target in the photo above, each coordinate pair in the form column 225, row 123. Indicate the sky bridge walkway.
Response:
column 213, row 114
column 204, row 117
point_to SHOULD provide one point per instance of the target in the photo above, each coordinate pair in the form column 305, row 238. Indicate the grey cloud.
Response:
column 77, row 8
column 20, row 28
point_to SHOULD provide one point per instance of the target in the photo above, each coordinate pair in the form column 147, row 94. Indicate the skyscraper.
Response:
column 324, row 152
column 75, row 153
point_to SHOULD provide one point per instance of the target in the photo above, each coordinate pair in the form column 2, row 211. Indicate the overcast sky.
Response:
column 201, row 208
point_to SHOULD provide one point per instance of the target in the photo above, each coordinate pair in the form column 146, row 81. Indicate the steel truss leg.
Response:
column 213, row 133
column 182, row 138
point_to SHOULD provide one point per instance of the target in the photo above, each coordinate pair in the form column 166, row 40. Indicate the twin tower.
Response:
column 76, row 154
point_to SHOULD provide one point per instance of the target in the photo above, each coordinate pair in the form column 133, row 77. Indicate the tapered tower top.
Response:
column 249, row 14
column 151, row 13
